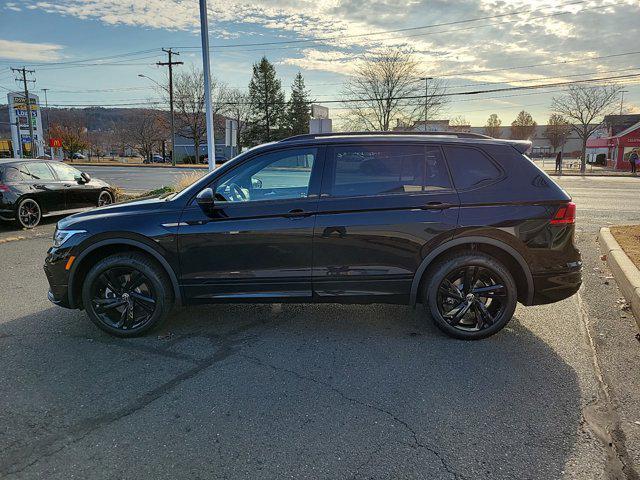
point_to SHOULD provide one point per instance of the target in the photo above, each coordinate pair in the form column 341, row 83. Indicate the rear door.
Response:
column 382, row 208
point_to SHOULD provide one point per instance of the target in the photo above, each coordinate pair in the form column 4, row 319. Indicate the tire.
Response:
column 478, row 309
column 28, row 213
column 127, row 294
column 105, row 198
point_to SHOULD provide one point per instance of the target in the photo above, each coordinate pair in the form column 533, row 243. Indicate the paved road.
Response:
column 324, row 391
column 138, row 179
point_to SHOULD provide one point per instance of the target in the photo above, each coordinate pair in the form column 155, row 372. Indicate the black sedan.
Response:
column 32, row 189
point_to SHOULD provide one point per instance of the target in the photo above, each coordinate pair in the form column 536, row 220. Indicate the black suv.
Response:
column 464, row 224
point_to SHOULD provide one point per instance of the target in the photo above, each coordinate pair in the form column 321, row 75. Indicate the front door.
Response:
column 44, row 186
column 78, row 193
column 382, row 208
column 256, row 242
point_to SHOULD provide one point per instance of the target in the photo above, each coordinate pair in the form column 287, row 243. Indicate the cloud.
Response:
column 32, row 52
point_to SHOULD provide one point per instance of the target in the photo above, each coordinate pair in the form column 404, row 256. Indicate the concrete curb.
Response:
column 140, row 165
column 624, row 270
column 612, row 175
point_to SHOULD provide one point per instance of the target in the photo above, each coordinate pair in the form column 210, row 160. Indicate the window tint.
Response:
column 272, row 176
column 470, row 167
column 38, row 171
column 387, row 169
column 10, row 174
column 65, row 172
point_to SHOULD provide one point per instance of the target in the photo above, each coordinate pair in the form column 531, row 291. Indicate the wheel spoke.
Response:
column 135, row 280
column 496, row 290
column 462, row 309
column 147, row 303
column 103, row 304
column 485, row 315
column 470, row 278
column 449, row 290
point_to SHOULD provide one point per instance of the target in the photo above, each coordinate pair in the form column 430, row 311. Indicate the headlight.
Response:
column 61, row 236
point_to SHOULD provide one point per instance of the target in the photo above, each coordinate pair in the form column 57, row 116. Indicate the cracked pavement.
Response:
column 325, row 391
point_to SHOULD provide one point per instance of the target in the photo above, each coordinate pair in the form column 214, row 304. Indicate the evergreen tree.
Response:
column 268, row 106
column 298, row 108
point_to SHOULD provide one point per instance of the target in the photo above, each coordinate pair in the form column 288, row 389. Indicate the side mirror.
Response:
column 86, row 178
column 205, row 199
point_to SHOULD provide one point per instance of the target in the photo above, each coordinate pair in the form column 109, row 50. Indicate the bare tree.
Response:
column 492, row 127
column 189, row 106
column 385, row 86
column 460, row 124
column 238, row 107
column 146, row 132
column 523, row 127
column 584, row 107
column 557, row 131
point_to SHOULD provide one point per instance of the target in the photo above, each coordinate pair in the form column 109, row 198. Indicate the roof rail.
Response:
column 399, row 133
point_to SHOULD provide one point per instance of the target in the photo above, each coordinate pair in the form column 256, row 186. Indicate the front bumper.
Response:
column 556, row 286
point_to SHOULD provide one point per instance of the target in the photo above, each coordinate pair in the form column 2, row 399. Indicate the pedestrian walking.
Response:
column 559, row 162
column 634, row 160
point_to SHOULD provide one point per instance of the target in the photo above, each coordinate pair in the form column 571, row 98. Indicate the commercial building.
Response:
column 613, row 143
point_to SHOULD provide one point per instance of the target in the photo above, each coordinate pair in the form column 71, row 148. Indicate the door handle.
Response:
column 297, row 213
column 436, row 206
column 68, row 185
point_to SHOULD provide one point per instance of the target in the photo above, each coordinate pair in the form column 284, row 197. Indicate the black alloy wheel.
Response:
column 28, row 214
column 105, row 198
column 471, row 296
column 127, row 294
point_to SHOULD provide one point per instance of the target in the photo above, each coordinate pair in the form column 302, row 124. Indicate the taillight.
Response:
column 565, row 214
column 4, row 188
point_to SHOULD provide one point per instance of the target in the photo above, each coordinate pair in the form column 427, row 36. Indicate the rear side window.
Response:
column 470, row 167
column 364, row 170
column 10, row 174
column 38, row 171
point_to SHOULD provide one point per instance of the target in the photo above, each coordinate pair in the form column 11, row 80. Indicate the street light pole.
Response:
column 426, row 100
column 204, row 33
column 622, row 92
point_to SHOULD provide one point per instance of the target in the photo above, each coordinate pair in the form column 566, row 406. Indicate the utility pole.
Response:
column 426, row 100
column 204, row 33
column 46, row 105
column 622, row 92
column 24, row 72
column 170, row 64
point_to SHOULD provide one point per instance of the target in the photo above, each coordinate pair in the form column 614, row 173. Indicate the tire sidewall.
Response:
column 155, row 276
column 445, row 267
column 22, row 202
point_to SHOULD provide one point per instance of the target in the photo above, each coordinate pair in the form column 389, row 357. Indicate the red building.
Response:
column 614, row 144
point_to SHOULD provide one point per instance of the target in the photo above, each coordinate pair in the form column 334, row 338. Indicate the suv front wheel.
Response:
column 470, row 295
column 127, row 294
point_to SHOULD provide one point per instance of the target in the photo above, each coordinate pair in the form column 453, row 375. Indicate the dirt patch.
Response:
column 628, row 236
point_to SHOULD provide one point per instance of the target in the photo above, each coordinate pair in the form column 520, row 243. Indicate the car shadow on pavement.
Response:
column 262, row 391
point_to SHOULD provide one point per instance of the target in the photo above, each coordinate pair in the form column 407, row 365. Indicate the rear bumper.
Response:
column 556, row 286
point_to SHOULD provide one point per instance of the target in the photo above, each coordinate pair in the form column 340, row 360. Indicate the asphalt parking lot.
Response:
column 273, row 391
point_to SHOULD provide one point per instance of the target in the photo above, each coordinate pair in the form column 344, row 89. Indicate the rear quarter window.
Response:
column 10, row 174
column 470, row 167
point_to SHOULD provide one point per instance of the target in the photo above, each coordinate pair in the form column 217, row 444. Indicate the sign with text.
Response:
column 20, row 111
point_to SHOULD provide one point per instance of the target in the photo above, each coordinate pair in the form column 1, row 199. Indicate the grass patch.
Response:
column 628, row 236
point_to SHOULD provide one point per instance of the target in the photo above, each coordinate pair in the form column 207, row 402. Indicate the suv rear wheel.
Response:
column 470, row 295
column 127, row 294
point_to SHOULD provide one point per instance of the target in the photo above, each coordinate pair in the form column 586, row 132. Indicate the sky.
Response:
column 88, row 52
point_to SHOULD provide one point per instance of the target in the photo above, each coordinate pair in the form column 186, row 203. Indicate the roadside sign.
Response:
column 55, row 142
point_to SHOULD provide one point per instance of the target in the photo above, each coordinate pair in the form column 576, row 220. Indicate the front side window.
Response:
column 280, row 175
column 65, row 173
column 37, row 171
column 364, row 170
column 470, row 167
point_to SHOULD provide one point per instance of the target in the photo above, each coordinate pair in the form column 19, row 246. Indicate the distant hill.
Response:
column 96, row 119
